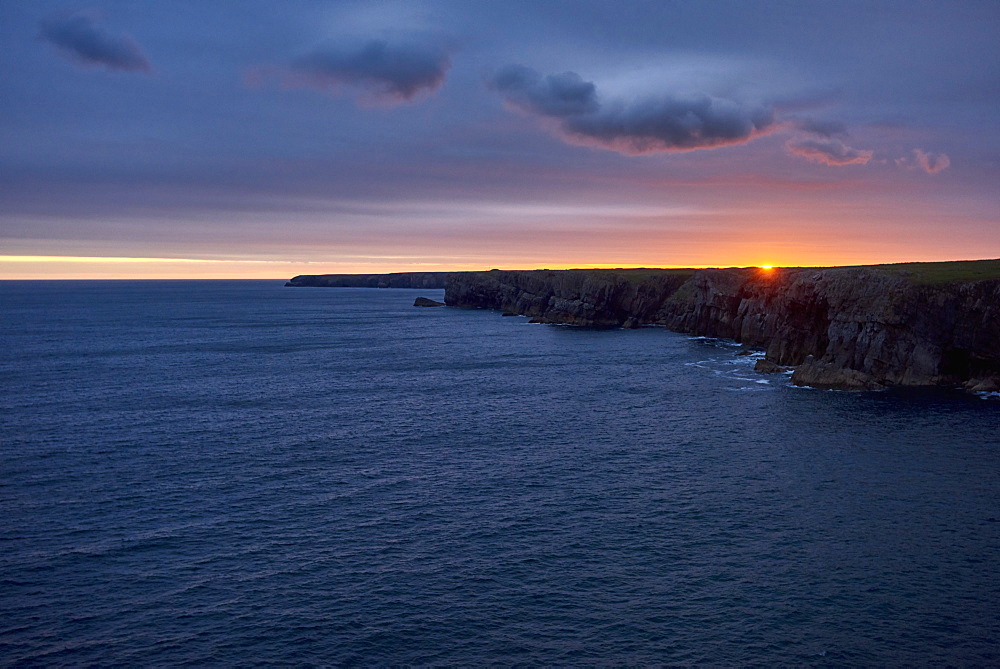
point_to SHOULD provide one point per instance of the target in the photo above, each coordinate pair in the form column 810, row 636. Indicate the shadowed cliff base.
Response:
column 860, row 328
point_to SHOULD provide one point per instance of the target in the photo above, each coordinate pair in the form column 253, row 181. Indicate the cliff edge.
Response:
column 844, row 327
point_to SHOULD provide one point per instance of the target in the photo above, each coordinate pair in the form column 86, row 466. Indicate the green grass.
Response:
column 935, row 273
column 926, row 273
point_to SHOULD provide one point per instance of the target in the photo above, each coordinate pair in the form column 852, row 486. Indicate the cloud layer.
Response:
column 79, row 37
column 389, row 71
column 828, row 152
column 638, row 126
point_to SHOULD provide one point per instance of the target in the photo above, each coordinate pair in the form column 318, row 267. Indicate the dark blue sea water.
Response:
column 237, row 473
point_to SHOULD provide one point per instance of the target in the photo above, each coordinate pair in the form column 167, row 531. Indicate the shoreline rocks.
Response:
column 765, row 366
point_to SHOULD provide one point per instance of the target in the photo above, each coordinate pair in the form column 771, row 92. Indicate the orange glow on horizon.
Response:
column 28, row 267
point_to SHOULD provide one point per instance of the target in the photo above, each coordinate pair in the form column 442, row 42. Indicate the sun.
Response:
column 767, row 267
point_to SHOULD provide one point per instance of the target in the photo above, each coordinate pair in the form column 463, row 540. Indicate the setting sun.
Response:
column 767, row 267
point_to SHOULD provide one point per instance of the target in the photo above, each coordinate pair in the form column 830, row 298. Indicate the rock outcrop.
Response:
column 427, row 302
column 765, row 366
column 848, row 327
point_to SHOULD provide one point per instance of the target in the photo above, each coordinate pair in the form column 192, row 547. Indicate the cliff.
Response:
column 847, row 327
column 590, row 298
column 424, row 280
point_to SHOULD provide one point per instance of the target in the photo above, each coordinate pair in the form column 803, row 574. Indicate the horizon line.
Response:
column 278, row 270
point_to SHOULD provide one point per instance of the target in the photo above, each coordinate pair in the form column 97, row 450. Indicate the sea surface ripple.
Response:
column 236, row 473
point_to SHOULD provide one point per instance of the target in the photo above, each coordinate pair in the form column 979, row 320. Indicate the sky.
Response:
column 216, row 139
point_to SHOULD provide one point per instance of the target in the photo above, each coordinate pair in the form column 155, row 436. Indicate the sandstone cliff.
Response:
column 849, row 327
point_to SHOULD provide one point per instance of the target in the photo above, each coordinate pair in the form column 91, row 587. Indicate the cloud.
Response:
column 828, row 152
column 932, row 163
column 391, row 72
column 638, row 126
column 80, row 38
column 821, row 127
column 557, row 95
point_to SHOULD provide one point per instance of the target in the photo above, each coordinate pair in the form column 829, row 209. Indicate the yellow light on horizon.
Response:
column 767, row 266
column 26, row 267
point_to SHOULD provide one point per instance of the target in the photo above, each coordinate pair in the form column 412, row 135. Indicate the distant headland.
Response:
column 862, row 327
column 396, row 280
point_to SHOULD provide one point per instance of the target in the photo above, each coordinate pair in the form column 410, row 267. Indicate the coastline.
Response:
column 855, row 328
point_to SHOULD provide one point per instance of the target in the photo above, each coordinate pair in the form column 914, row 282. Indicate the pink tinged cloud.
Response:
column 78, row 37
column 831, row 152
column 932, row 163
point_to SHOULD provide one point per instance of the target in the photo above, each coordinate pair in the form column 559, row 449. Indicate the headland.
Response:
column 426, row 280
column 863, row 327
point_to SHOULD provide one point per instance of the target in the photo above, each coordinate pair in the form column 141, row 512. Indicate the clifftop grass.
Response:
column 937, row 273
column 924, row 273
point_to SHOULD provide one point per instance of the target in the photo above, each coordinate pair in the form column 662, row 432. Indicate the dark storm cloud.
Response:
column 828, row 152
column 396, row 71
column 79, row 37
column 638, row 126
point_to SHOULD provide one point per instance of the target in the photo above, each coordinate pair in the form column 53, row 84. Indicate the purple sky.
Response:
column 269, row 139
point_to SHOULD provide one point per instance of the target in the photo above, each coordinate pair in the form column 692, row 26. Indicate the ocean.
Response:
column 234, row 473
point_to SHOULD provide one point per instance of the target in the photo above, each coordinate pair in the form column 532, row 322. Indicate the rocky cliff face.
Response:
column 840, row 327
column 591, row 298
column 424, row 280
